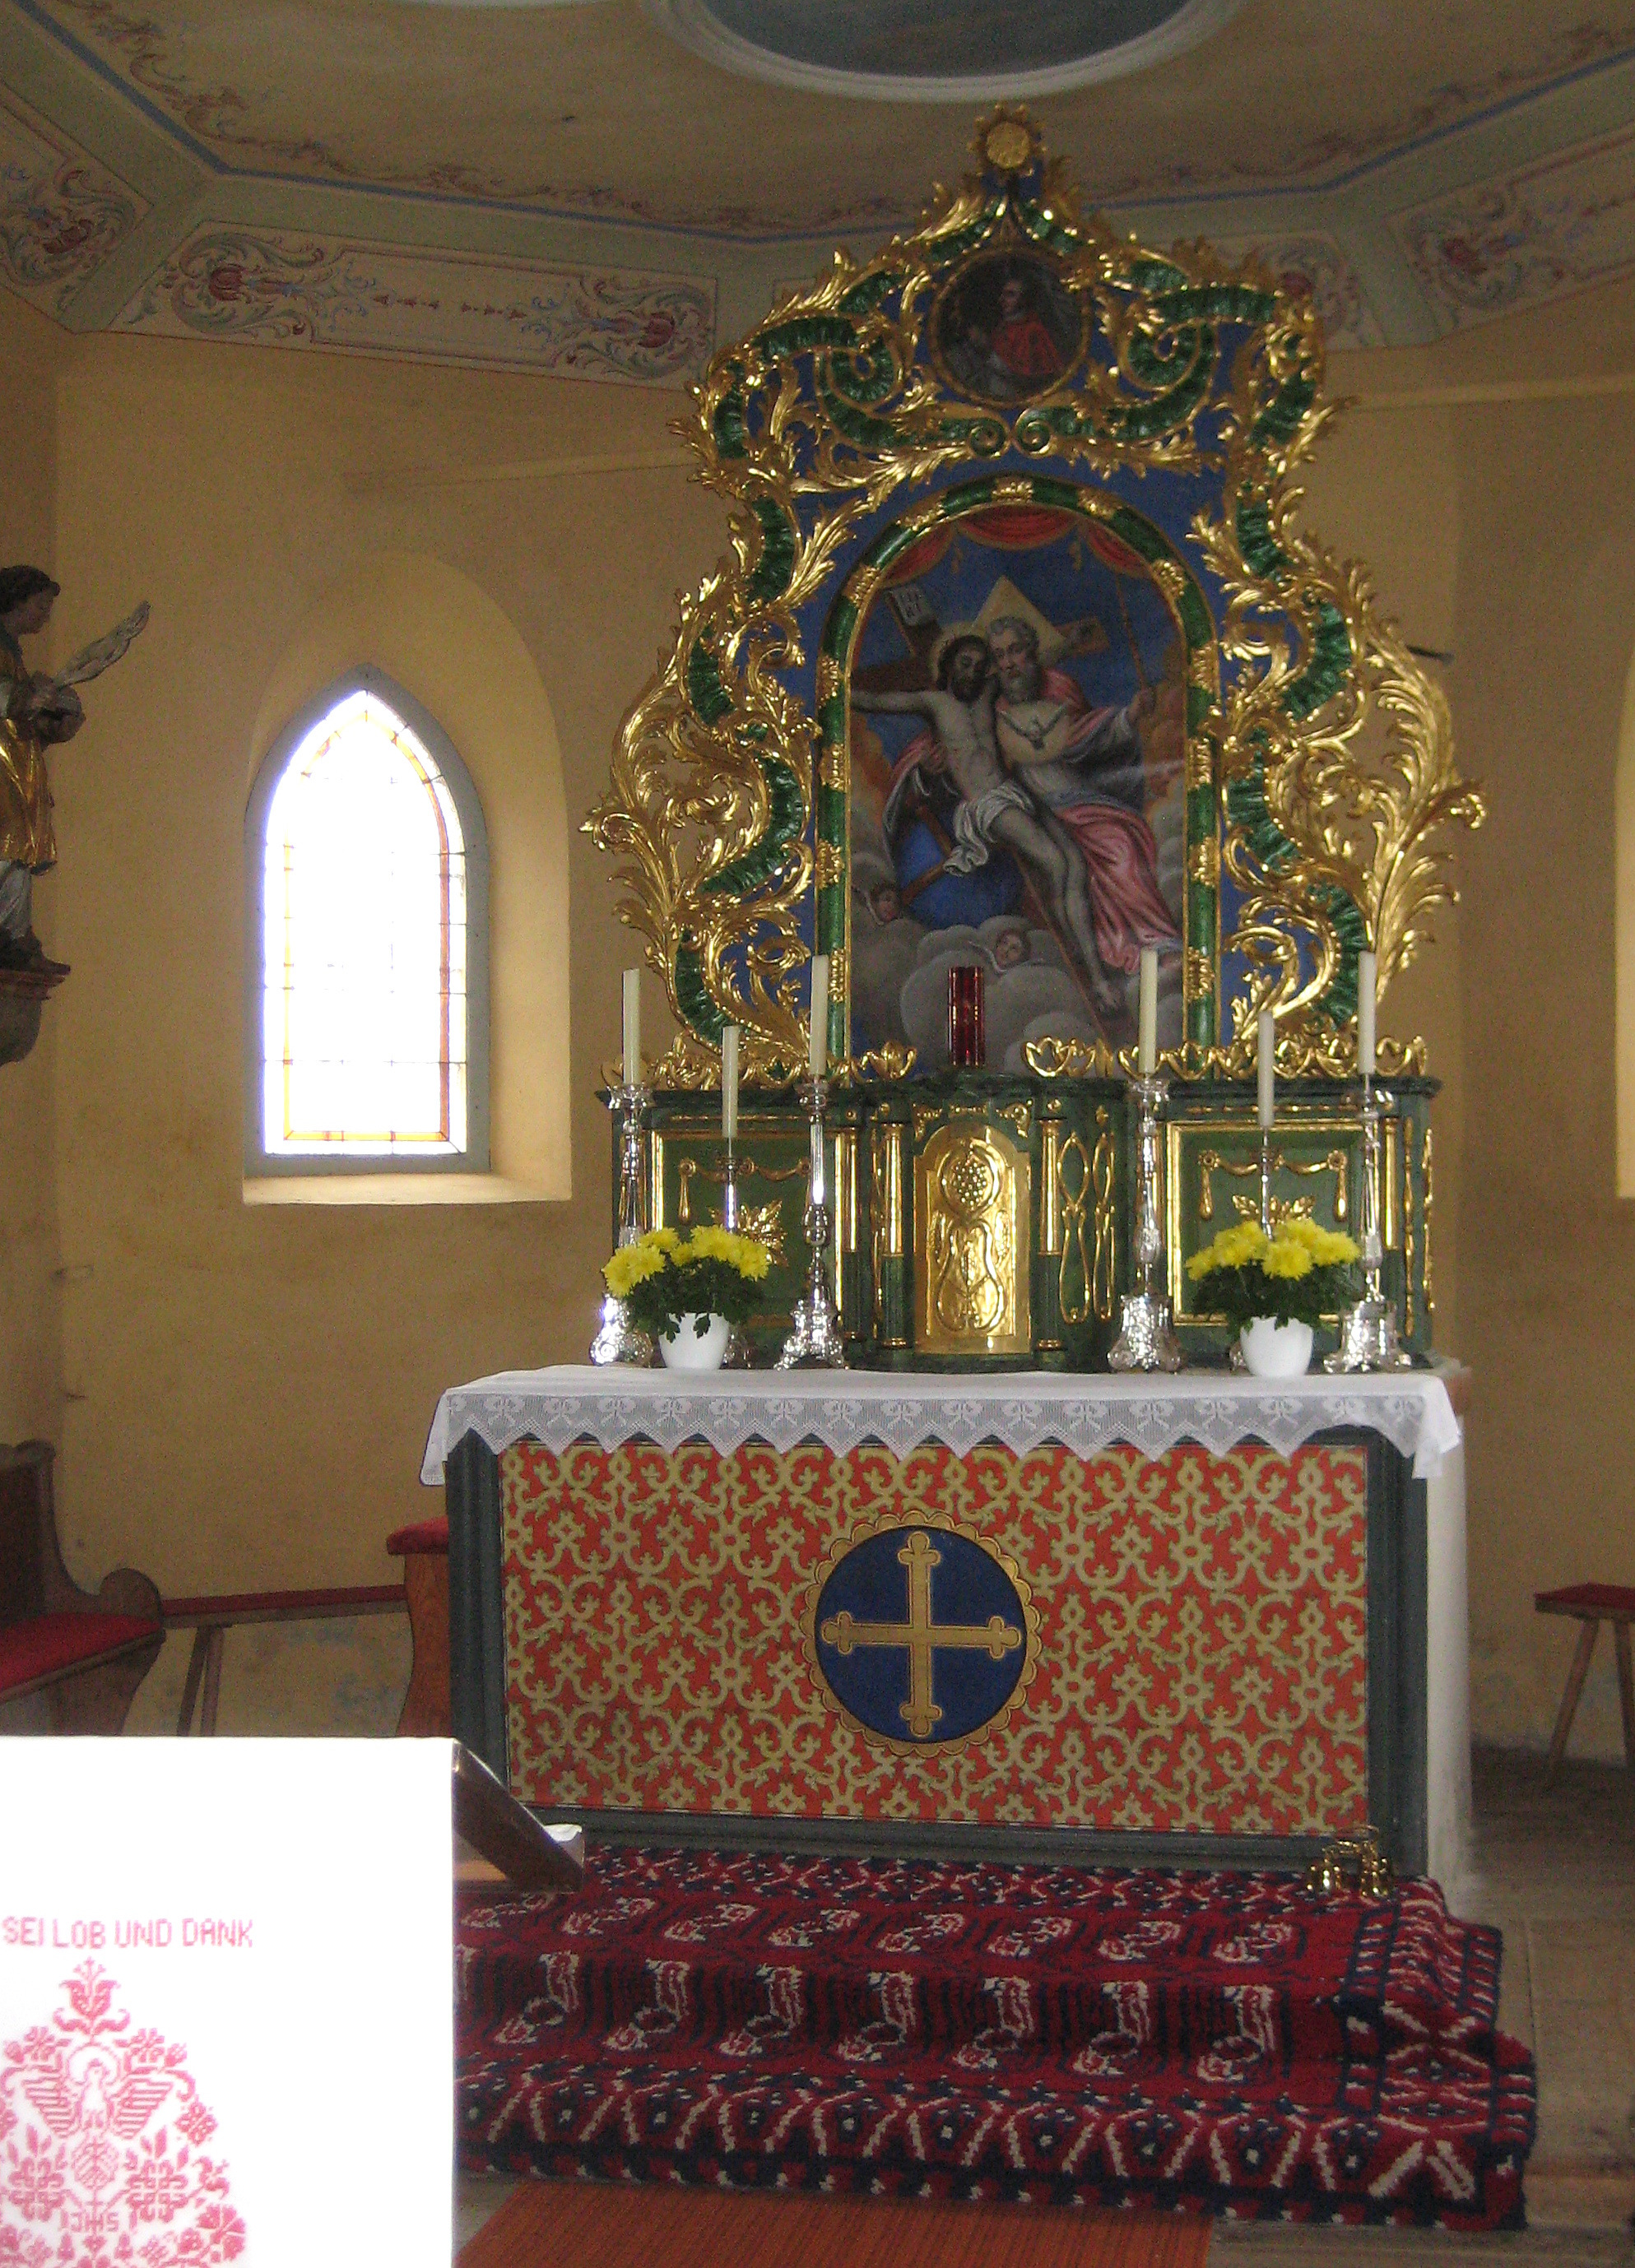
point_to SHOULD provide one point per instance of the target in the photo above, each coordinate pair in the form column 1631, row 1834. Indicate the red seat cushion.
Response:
column 52, row 1642
column 424, row 1536
column 1588, row 1598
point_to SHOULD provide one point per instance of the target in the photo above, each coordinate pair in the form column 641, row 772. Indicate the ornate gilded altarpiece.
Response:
column 1023, row 654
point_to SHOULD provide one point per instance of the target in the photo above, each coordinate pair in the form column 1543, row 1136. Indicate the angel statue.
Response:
column 37, row 712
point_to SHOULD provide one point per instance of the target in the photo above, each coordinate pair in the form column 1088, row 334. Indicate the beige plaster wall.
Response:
column 1545, row 632
column 251, row 1385
column 31, row 1367
column 1495, row 474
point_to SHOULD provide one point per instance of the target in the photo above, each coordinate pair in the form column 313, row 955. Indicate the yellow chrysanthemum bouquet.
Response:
column 1297, row 1274
column 663, row 1276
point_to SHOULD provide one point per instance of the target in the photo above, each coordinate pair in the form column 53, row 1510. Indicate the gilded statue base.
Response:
column 23, row 994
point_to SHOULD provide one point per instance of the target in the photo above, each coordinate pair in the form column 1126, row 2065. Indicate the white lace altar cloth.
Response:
column 1021, row 1409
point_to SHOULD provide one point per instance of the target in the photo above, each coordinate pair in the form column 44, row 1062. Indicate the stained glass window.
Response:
column 364, row 1027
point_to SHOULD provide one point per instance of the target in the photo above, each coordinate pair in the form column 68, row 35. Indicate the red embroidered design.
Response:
column 100, row 2136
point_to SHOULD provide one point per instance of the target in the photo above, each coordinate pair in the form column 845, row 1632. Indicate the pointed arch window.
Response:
column 368, row 1020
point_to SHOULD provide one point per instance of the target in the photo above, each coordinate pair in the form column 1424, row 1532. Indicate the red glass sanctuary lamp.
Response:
column 967, row 1043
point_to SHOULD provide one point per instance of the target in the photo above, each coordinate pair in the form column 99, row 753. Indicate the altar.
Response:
column 1201, row 1620
column 1025, row 827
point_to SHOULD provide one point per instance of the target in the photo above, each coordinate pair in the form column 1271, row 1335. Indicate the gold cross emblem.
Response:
column 920, row 1635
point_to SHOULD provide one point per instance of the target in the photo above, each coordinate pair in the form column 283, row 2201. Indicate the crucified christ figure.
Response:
column 996, row 809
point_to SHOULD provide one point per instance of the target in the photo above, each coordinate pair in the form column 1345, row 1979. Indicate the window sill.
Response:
column 389, row 1189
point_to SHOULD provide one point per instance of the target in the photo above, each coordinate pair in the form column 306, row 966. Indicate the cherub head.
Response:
column 1010, row 946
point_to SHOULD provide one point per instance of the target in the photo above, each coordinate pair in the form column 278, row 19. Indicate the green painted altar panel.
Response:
column 1061, row 1152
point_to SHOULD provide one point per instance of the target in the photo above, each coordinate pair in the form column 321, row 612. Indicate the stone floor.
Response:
column 1555, row 1870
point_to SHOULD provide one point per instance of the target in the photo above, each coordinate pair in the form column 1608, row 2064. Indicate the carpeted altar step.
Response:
column 1212, row 2042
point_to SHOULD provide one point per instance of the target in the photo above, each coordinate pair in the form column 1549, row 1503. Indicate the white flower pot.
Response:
column 684, row 1349
column 1274, row 1350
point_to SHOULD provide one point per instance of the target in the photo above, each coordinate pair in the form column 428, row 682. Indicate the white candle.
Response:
column 1147, row 1057
column 1368, row 994
column 1268, row 1039
column 632, row 1028
column 729, row 1083
column 817, row 1052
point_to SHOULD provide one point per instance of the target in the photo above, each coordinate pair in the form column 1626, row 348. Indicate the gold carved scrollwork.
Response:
column 1049, row 1189
column 1075, row 1180
column 1210, row 1162
column 1425, row 1183
column 889, row 1063
column 886, row 1213
column 1328, row 745
column 1314, row 1053
column 970, row 1220
column 765, row 1221
column 846, row 1188
column 1104, row 1271
column 1054, row 1059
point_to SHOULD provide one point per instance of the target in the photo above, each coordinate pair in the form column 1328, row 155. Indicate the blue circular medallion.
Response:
column 921, row 1635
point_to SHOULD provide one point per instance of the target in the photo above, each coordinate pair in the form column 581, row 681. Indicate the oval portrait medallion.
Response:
column 921, row 1636
column 1007, row 329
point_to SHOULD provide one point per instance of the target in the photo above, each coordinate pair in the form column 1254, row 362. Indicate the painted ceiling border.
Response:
column 1314, row 185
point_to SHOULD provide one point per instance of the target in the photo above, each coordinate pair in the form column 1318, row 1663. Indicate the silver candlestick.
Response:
column 1368, row 1339
column 618, row 1339
column 738, row 1355
column 814, row 1340
column 1146, row 1339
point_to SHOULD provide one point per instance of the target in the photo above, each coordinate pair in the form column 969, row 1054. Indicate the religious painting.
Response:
column 1006, row 329
column 1017, row 746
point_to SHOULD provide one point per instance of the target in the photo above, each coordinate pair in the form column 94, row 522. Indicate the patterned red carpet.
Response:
column 1211, row 2042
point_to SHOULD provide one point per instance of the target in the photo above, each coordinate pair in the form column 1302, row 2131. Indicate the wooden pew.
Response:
column 69, row 1663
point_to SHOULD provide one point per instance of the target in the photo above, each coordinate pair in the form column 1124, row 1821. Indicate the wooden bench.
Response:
column 1593, row 1604
column 75, row 1659
column 428, row 1708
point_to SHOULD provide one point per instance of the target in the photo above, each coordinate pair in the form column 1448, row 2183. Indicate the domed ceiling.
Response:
column 606, row 188
column 891, row 50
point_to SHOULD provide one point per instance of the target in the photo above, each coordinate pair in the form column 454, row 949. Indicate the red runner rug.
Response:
column 1204, row 2042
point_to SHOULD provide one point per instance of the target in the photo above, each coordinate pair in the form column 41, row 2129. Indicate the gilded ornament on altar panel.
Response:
column 1021, row 654
column 903, row 1671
